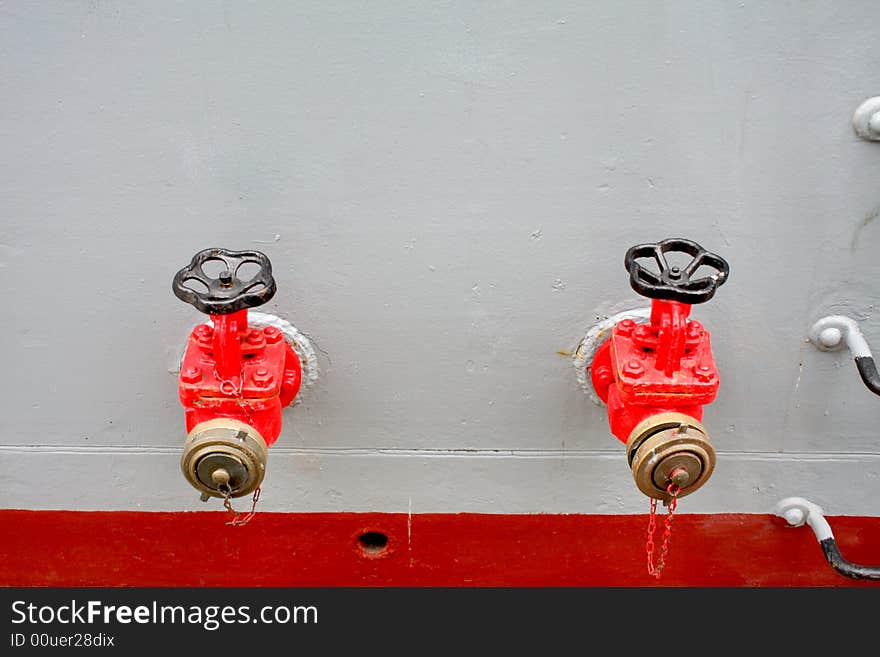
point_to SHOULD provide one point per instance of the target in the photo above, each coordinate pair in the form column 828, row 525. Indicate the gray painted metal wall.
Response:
column 446, row 191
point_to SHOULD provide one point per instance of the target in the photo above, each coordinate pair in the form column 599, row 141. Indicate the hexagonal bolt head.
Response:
column 603, row 375
column 255, row 337
column 704, row 373
column 263, row 378
column 625, row 327
column 694, row 329
column 272, row 334
column 191, row 375
column 634, row 369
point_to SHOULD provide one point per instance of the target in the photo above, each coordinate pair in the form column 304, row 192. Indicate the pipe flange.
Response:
column 224, row 454
column 670, row 446
column 300, row 344
column 582, row 359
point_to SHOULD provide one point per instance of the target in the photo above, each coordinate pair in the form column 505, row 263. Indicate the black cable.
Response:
column 871, row 378
column 844, row 567
column 868, row 372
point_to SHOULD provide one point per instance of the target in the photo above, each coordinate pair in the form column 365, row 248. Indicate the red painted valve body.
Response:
column 663, row 366
column 238, row 372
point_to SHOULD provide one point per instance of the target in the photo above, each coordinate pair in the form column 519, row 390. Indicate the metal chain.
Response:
column 238, row 519
column 655, row 569
column 228, row 387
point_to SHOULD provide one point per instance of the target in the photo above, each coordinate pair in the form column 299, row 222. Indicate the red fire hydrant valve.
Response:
column 656, row 377
column 234, row 379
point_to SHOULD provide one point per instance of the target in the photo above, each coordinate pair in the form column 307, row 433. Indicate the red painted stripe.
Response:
column 121, row 548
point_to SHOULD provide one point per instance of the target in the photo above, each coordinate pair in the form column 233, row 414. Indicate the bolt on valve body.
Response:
column 656, row 377
column 234, row 379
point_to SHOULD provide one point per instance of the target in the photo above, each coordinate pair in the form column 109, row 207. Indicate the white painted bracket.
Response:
column 866, row 120
column 797, row 512
column 833, row 332
column 582, row 358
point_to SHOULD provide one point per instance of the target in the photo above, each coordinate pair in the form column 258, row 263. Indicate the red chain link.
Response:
column 655, row 570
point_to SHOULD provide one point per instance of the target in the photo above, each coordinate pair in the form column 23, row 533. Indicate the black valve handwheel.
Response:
column 675, row 283
column 227, row 293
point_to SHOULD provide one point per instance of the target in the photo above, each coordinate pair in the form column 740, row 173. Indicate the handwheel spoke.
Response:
column 648, row 275
column 694, row 264
column 660, row 257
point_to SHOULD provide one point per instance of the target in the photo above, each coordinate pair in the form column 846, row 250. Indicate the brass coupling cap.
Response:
column 670, row 448
column 224, row 456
